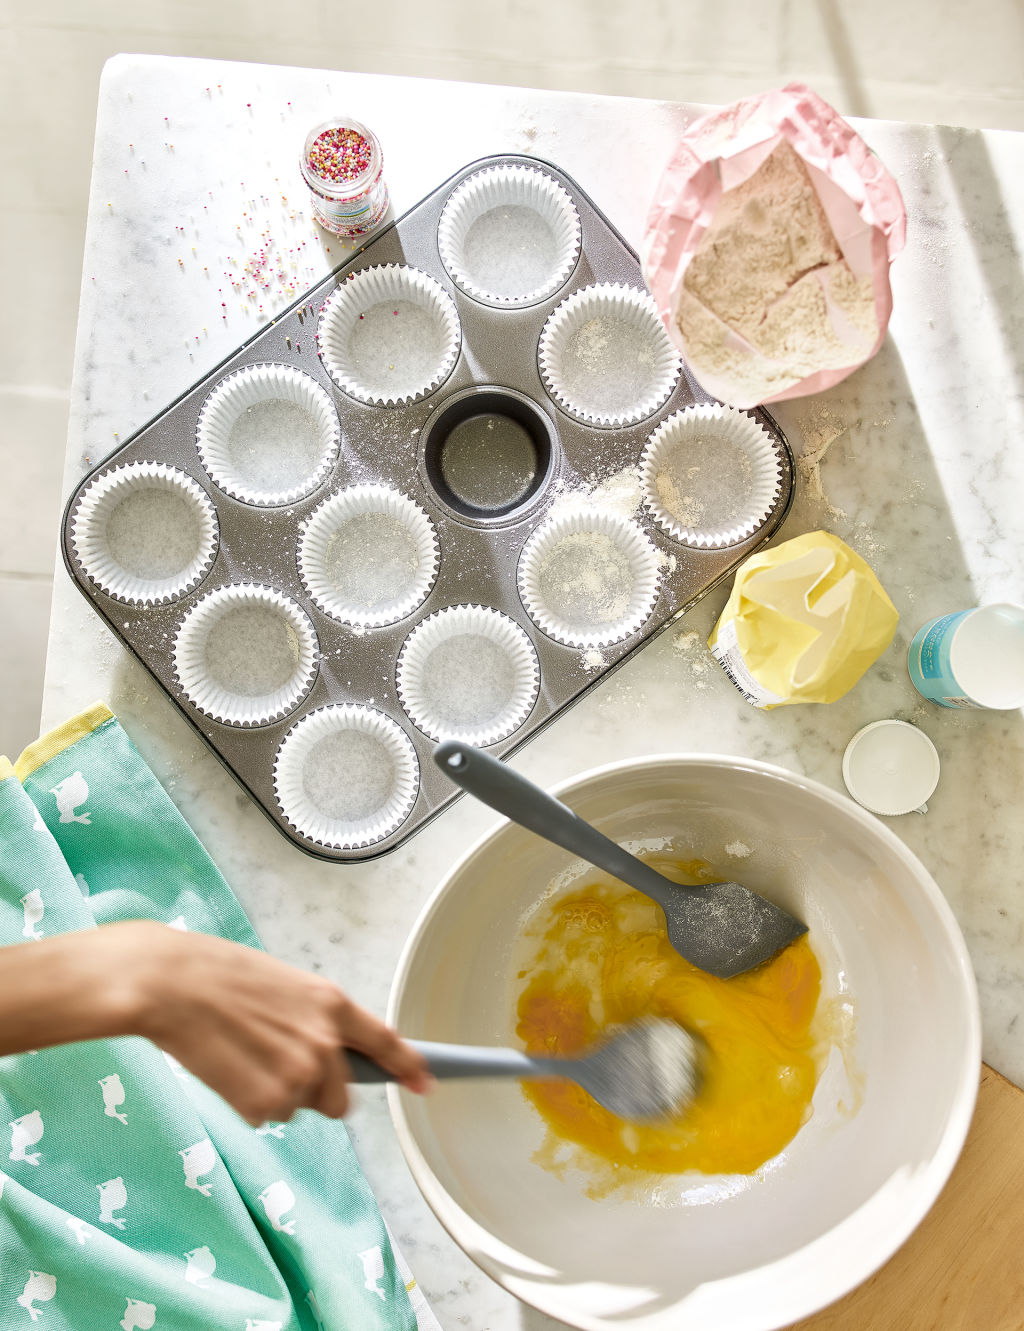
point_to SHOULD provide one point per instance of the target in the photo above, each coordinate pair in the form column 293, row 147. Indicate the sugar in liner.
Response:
column 509, row 235
column 389, row 335
column 368, row 555
column 470, row 673
column 588, row 578
column 245, row 655
column 290, row 434
column 346, row 776
column 605, row 357
column 710, row 476
column 145, row 533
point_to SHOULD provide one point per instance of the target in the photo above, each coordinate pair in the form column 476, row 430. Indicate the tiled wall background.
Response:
column 924, row 60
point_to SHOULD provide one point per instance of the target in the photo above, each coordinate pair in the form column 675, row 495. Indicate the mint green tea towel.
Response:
column 131, row 1195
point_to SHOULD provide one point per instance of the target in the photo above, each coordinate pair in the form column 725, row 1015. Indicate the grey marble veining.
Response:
column 915, row 461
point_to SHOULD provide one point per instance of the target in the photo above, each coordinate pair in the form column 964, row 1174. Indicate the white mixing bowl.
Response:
column 731, row 1253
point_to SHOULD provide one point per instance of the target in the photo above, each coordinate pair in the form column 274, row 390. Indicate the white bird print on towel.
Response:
column 138, row 1314
column 113, row 1095
column 39, row 825
column 80, row 1228
column 373, row 1270
column 113, row 1195
column 83, row 886
column 39, row 1288
column 199, row 1159
column 278, row 1198
column 200, row 1264
column 69, row 793
column 270, row 1129
column 179, row 924
column 35, row 908
column 250, row 1325
column 3, row 1180
column 314, row 1308
column 26, row 1131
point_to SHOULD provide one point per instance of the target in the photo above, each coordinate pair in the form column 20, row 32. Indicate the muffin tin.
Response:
column 440, row 551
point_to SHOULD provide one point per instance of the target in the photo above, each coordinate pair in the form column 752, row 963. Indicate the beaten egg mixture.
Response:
column 602, row 958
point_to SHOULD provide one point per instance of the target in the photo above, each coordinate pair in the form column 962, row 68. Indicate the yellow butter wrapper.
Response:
column 803, row 623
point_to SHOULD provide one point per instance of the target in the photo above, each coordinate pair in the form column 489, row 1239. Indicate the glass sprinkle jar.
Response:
column 344, row 168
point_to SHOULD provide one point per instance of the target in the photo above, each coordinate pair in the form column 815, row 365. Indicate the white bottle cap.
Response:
column 891, row 767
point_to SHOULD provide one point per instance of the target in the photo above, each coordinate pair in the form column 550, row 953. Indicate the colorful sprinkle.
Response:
column 340, row 155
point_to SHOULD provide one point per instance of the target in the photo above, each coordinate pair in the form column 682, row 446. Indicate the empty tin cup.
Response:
column 246, row 655
column 509, row 235
column 710, row 475
column 588, row 578
column 389, row 335
column 368, row 555
column 145, row 533
column 972, row 658
column 268, row 435
column 468, row 672
column 605, row 357
column 346, row 776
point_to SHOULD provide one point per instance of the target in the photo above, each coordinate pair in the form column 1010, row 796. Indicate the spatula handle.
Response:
column 496, row 784
column 451, row 1060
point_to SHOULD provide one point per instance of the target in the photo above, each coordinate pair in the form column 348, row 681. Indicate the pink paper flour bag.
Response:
column 768, row 247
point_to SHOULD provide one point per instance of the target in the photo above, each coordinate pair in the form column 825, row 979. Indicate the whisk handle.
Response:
column 448, row 1061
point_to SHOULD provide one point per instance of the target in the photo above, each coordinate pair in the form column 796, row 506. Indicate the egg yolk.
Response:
column 603, row 958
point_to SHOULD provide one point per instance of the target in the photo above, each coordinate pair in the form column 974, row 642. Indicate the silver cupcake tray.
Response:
column 479, row 548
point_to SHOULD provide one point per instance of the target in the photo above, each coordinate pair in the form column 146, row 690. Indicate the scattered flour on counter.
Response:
column 690, row 647
column 593, row 661
column 738, row 849
column 820, row 428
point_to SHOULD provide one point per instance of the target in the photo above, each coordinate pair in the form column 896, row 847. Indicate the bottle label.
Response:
column 928, row 661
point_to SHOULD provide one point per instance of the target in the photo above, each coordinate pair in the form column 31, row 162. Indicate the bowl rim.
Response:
column 871, row 1253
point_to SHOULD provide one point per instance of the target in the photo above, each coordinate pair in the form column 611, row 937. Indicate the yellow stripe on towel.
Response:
column 6, row 768
column 60, row 738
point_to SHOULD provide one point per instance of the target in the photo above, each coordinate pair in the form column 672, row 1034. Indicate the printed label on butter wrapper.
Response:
column 726, row 651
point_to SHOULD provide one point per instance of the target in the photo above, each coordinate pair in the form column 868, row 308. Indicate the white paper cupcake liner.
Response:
column 509, row 235
column 469, row 673
column 346, row 776
column 389, row 335
column 268, row 435
column 145, row 533
column 245, row 655
column 588, row 578
column 605, row 357
column 710, row 476
column 368, row 556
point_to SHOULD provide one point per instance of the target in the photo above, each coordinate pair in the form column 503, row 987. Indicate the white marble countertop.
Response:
column 195, row 172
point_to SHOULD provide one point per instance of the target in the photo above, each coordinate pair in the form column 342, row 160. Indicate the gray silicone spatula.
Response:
column 723, row 928
column 646, row 1070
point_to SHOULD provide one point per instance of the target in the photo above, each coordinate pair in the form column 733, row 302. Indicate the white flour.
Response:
column 762, row 270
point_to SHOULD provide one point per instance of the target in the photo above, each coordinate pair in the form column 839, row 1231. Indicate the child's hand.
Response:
column 266, row 1036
